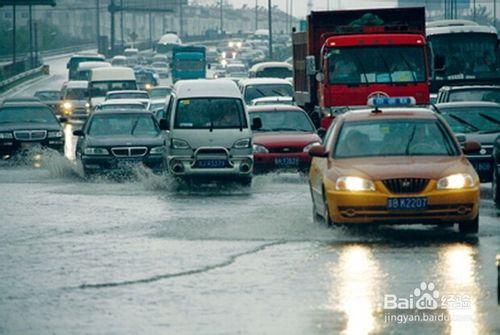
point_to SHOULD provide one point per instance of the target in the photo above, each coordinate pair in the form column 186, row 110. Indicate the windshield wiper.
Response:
column 489, row 118
column 278, row 93
column 462, row 121
column 407, row 150
column 386, row 66
column 134, row 126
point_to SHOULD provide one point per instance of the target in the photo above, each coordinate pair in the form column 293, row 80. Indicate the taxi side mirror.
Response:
column 318, row 151
column 471, row 147
column 164, row 124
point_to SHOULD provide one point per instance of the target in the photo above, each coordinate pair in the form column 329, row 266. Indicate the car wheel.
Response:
column 495, row 187
column 316, row 215
column 469, row 227
column 326, row 211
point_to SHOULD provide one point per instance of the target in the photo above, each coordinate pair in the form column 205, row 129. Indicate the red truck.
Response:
column 346, row 57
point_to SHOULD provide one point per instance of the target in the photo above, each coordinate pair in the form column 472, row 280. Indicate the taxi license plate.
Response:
column 286, row 161
column 415, row 203
column 211, row 163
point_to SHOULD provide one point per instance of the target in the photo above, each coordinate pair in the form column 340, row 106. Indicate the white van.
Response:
column 74, row 103
column 83, row 70
column 105, row 79
column 209, row 131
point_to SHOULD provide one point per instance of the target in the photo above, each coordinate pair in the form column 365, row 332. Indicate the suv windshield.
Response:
column 492, row 95
column 267, row 90
column 210, row 113
column 76, row 94
column 26, row 115
column 368, row 65
column 123, row 124
column 284, row 121
column 472, row 119
column 394, row 138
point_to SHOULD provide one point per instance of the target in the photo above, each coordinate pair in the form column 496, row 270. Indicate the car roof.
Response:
column 77, row 84
column 277, row 107
column 459, row 104
column 470, row 87
column 122, row 102
column 263, row 65
column 253, row 81
column 207, row 88
column 126, row 92
column 389, row 113
column 24, row 104
column 273, row 98
column 123, row 111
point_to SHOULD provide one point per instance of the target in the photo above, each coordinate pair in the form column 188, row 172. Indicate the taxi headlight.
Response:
column 456, row 181
column 179, row 144
column 96, row 151
column 67, row 105
column 243, row 143
column 157, row 150
column 53, row 134
column 310, row 145
column 6, row 136
column 260, row 149
column 354, row 184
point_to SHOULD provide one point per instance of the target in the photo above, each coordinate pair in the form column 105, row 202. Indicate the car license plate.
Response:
column 286, row 161
column 211, row 163
column 481, row 166
column 127, row 162
column 415, row 203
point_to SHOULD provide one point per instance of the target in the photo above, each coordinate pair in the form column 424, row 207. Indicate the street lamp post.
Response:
column 221, row 16
column 97, row 22
column 270, row 19
column 256, row 14
column 30, row 19
column 14, row 34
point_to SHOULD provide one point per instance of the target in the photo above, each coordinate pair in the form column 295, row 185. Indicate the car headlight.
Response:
column 56, row 133
column 148, row 86
column 239, row 44
column 456, row 181
column 260, row 149
column 6, row 136
column 243, row 143
column 354, row 184
column 96, row 151
column 87, row 105
column 179, row 144
column 157, row 150
column 310, row 145
column 67, row 105
column 230, row 44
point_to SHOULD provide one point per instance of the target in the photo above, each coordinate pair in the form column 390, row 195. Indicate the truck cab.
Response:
column 188, row 62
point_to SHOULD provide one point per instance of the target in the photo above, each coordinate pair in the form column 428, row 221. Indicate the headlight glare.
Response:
column 67, row 105
column 243, row 143
column 354, row 184
column 260, row 149
column 456, row 181
column 310, row 145
column 179, row 144
column 6, row 136
column 96, row 151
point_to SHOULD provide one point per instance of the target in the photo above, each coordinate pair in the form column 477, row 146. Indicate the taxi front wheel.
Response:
column 470, row 226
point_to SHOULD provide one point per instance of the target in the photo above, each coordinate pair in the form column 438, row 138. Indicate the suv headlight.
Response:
column 310, row 145
column 244, row 143
column 456, row 181
column 179, row 144
column 96, row 151
column 6, row 136
column 260, row 149
column 67, row 105
column 53, row 134
column 157, row 150
column 354, row 184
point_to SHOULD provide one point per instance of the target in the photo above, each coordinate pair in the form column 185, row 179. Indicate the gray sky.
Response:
column 300, row 6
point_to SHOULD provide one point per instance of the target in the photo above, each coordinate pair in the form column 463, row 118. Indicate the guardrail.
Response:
column 14, row 80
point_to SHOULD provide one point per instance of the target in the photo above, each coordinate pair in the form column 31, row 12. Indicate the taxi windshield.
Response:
column 402, row 137
column 472, row 119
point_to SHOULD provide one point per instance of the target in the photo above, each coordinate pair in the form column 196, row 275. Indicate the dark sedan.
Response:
column 478, row 122
column 118, row 139
column 51, row 98
column 27, row 124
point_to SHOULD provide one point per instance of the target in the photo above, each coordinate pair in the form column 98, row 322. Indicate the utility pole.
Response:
column 14, row 34
column 150, row 30
column 35, row 24
column 121, row 25
column 181, row 19
column 474, row 10
column 291, row 15
column 256, row 14
column 97, row 22
column 112, row 23
column 495, row 13
column 270, row 20
column 221, row 16
column 30, row 13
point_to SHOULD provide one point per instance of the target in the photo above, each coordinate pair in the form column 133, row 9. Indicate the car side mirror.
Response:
column 321, row 132
column 62, row 119
column 471, row 147
column 318, row 151
column 320, row 76
column 256, row 123
column 164, row 124
column 78, row 132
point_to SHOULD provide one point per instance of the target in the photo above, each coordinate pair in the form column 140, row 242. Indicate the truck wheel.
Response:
column 469, row 227
column 495, row 187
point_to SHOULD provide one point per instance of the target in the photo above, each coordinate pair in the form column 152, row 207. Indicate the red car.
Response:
column 284, row 140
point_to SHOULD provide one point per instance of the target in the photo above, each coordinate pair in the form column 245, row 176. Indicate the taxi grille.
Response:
column 406, row 185
column 30, row 135
column 129, row 151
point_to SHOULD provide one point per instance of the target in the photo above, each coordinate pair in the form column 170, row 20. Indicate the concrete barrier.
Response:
column 22, row 77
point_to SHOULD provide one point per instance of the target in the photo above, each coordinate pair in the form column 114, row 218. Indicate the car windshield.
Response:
column 122, row 106
column 128, row 95
column 144, row 77
column 156, row 106
column 48, row 95
column 26, row 115
column 465, row 54
column 275, row 72
column 189, row 65
column 267, row 90
column 394, row 138
column 160, row 92
column 99, row 89
column 472, row 119
column 492, row 95
column 123, row 125
column 76, row 94
column 284, row 121
column 160, row 64
column 273, row 102
column 210, row 113
column 367, row 65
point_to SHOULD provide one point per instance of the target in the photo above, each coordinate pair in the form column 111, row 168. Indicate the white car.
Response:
column 161, row 68
column 271, row 70
column 255, row 88
column 123, row 104
column 273, row 101
column 130, row 95
column 210, row 133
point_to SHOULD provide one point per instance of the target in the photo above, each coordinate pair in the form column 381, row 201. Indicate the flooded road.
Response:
column 146, row 255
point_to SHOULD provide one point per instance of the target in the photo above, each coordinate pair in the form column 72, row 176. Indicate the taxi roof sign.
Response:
column 391, row 102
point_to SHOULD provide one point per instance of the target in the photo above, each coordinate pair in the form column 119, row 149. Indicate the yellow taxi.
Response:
column 394, row 163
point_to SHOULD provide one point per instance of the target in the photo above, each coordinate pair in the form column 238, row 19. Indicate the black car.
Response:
column 117, row 139
column 51, row 98
column 27, row 124
column 478, row 122
column 495, row 184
